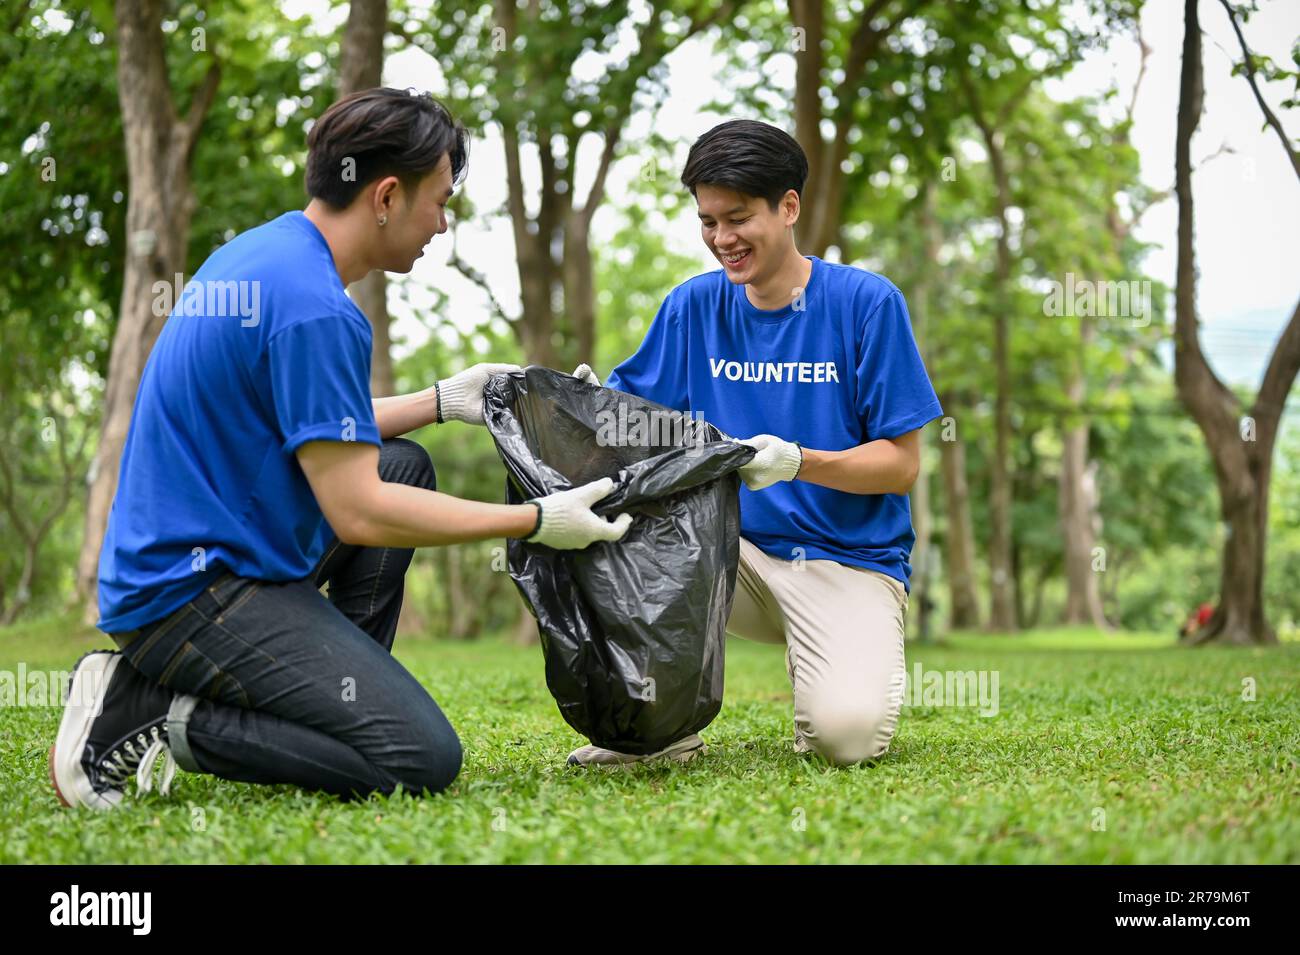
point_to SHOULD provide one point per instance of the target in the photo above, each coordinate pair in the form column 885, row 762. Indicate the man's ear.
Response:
column 790, row 207
column 383, row 195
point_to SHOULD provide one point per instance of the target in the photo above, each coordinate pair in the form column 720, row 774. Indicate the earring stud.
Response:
column 383, row 220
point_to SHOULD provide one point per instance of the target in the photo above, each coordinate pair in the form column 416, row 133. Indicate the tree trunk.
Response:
column 1002, row 614
column 361, row 66
column 525, row 627
column 1040, row 584
column 1077, row 502
column 1241, row 448
column 580, row 287
column 26, row 583
column 159, row 148
column 960, row 536
column 534, row 263
column 1002, row 583
column 924, row 560
column 1110, row 585
column 822, row 208
column 1240, row 617
column 465, row 616
column 371, row 296
column 33, row 533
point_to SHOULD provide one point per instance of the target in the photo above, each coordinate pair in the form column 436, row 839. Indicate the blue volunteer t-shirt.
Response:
column 839, row 371
column 261, row 352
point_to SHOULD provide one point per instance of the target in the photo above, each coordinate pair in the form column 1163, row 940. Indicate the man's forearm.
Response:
column 402, row 414
column 877, row 467
column 399, row 515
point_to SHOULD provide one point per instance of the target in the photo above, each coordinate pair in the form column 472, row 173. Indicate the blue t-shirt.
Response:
column 261, row 352
column 836, row 370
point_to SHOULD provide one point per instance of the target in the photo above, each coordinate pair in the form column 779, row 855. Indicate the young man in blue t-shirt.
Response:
column 818, row 363
column 258, row 468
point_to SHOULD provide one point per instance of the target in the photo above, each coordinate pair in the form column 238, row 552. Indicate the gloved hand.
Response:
column 776, row 460
column 568, row 523
column 585, row 373
column 460, row 397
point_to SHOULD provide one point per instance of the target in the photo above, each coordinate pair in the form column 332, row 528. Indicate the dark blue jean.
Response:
column 292, row 687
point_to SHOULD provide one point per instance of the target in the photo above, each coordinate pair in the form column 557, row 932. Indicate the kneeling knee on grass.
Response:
column 426, row 757
column 845, row 733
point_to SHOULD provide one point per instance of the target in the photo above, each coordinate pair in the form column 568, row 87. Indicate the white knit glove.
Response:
column 776, row 460
column 567, row 521
column 584, row 373
column 460, row 397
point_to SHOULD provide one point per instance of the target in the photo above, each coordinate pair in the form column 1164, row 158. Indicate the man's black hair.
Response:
column 749, row 157
column 385, row 132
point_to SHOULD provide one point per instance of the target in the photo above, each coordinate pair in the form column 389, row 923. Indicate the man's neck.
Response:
column 337, row 231
column 779, row 290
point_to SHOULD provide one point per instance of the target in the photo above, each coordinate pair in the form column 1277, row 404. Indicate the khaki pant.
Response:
column 843, row 630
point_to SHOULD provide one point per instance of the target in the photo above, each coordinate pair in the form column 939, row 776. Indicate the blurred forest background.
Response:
column 1093, row 468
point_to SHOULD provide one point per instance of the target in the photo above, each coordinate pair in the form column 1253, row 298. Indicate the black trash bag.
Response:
column 632, row 631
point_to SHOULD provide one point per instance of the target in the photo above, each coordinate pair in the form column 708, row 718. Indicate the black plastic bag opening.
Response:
column 632, row 631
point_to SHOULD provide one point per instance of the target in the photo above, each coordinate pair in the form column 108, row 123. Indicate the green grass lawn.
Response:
column 1104, row 749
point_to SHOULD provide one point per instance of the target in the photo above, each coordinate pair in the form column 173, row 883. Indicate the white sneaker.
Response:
column 682, row 751
column 114, row 726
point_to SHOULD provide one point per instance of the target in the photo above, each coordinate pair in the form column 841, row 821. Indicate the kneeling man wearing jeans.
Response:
column 258, row 469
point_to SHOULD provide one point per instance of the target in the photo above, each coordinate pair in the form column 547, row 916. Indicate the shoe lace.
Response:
column 126, row 759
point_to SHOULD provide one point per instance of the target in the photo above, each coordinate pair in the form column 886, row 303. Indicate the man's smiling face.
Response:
column 417, row 217
column 744, row 233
